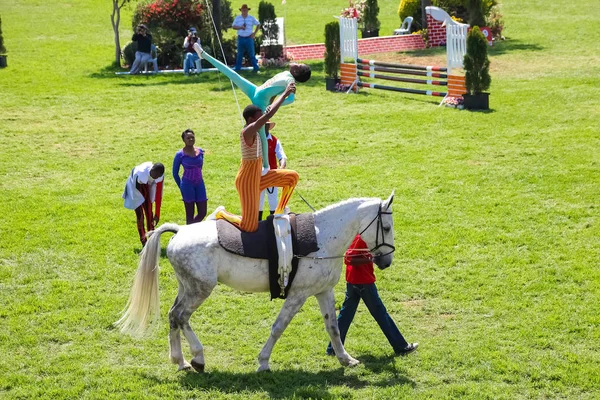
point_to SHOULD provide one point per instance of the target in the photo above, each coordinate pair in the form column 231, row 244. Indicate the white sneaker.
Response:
column 198, row 49
column 213, row 216
column 264, row 171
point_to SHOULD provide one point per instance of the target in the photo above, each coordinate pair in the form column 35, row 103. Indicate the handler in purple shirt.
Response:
column 191, row 185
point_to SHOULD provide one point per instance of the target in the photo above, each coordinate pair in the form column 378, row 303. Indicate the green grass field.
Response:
column 497, row 219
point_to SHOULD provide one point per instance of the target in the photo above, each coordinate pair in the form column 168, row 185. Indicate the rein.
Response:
column 377, row 244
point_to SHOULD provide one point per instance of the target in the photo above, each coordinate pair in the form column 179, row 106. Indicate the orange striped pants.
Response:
column 249, row 183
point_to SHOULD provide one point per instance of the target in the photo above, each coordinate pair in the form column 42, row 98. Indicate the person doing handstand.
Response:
column 262, row 95
column 249, row 182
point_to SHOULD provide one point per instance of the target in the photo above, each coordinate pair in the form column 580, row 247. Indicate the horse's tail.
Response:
column 143, row 304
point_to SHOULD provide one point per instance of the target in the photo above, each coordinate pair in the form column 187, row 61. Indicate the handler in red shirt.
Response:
column 360, row 279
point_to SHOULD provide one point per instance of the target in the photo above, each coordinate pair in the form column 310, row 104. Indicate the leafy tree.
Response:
column 115, row 19
column 476, row 62
column 476, row 13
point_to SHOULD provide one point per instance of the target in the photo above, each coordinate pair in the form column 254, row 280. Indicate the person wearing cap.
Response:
column 275, row 153
column 246, row 26
column 191, row 57
column 143, row 54
column 261, row 96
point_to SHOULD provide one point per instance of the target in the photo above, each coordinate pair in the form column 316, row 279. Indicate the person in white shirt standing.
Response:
column 246, row 26
column 275, row 153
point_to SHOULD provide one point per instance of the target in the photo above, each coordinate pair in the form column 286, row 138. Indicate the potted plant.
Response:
column 370, row 21
column 477, row 75
column 3, row 62
column 332, row 54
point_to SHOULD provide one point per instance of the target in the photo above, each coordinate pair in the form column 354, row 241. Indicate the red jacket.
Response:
column 359, row 270
column 272, row 144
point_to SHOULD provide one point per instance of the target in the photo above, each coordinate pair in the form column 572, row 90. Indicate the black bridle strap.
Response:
column 377, row 244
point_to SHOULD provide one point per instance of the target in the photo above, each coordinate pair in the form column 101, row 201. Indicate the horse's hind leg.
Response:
column 175, row 337
column 189, row 300
column 289, row 309
column 327, row 304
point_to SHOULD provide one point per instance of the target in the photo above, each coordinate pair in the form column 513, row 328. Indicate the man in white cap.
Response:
column 244, row 25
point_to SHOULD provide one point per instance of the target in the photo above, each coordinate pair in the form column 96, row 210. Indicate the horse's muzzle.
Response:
column 383, row 261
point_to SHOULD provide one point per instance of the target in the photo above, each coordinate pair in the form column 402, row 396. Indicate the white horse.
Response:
column 200, row 262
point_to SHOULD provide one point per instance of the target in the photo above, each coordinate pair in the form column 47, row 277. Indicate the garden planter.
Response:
column 330, row 83
column 368, row 34
column 478, row 101
column 3, row 63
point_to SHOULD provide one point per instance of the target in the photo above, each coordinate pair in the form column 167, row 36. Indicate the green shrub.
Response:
column 168, row 22
column 411, row 8
column 2, row 48
column 269, row 29
column 476, row 13
column 476, row 62
column 332, row 49
column 268, row 21
column 128, row 53
column 370, row 20
column 210, row 40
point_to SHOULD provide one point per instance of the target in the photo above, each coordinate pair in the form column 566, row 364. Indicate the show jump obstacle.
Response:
column 456, row 45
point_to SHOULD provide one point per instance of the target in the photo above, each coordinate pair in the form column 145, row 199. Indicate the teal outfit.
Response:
column 260, row 96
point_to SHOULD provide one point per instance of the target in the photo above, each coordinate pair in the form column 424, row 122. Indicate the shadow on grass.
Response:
column 282, row 384
column 432, row 51
column 512, row 46
column 109, row 72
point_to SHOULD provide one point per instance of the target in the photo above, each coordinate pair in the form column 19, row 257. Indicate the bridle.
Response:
column 378, row 245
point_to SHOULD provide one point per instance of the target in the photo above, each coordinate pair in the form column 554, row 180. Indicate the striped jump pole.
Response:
column 403, row 90
column 401, row 79
column 405, row 66
column 402, row 71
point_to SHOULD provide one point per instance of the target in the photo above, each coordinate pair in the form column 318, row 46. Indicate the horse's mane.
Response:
column 346, row 202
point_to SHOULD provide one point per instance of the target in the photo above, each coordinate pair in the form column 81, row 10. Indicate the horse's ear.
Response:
column 390, row 199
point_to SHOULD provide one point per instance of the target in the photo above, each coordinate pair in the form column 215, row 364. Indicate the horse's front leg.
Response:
column 290, row 307
column 326, row 301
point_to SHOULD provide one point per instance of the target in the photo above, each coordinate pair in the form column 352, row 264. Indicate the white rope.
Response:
column 225, row 60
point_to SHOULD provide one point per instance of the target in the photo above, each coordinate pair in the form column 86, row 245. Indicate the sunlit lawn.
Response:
column 496, row 216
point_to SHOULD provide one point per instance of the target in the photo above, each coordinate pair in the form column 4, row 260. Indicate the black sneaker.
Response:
column 408, row 349
column 330, row 353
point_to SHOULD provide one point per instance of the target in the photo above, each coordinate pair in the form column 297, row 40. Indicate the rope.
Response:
column 224, row 59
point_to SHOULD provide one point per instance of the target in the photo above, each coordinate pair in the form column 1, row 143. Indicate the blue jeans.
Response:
column 368, row 292
column 190, row 62
column 245, row 44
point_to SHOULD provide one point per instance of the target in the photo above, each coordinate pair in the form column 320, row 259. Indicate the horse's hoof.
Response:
column 263, row 369
column 197, row 366
column 185, row 367
column 350, row 362
column 353, row 362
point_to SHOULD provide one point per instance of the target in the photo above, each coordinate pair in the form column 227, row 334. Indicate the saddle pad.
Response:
column 254, row 244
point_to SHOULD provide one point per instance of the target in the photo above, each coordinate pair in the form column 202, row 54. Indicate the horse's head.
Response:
column 378, row 233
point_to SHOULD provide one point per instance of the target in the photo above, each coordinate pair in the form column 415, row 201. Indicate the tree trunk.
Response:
column 216, row 5
column 115, row 19
column 424, row 3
